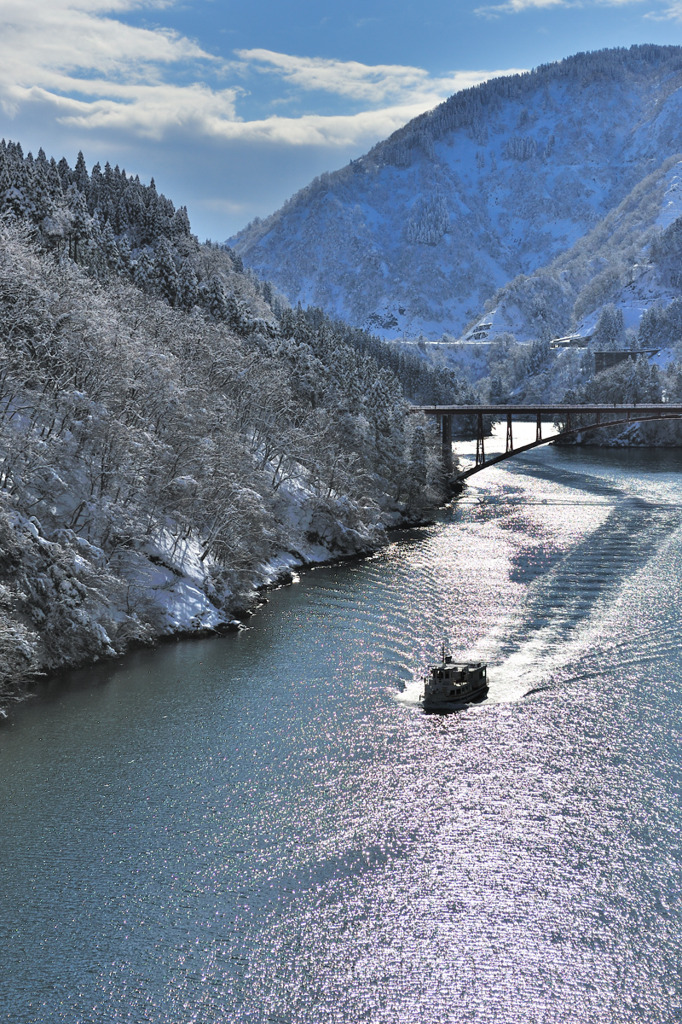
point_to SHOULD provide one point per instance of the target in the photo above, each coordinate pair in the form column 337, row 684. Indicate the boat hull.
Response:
column 443, row 704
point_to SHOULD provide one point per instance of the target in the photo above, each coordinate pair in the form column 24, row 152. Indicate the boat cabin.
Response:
column 454, row 682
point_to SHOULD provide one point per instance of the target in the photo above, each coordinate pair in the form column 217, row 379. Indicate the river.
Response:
column 267, row 828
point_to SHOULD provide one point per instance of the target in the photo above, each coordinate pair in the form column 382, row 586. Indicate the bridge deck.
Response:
column 603, row 415
column 548, row 410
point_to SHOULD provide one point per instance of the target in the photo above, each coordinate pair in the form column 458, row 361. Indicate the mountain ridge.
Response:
column 500, row 180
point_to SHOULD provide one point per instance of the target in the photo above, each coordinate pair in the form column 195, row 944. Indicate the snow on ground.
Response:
column 172, row 577
column 671, row 208
column 663, row 358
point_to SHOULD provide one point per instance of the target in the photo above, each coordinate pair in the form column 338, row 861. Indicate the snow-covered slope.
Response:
column 498, row 181
column 612, row 263
column 628, row 260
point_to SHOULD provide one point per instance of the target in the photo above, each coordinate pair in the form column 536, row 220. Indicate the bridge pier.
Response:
column 446, row 441
column 510, row 440
column 480, row 446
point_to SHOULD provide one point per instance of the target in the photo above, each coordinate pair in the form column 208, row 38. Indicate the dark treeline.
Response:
column 422, row 383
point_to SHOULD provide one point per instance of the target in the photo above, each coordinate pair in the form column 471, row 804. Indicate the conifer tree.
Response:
column 80, row 227
column 54, row 183
column 216, row 301
column 417, row 461
column 95, row 191
column 124, row 256
column 64, row 173
column 610, row 329
column 81, row 178
column 235, row 313
column 188, row 288
column 110, row 249
column 497, row 392
column 180, row 227
column 165, row 272
column 143, row 272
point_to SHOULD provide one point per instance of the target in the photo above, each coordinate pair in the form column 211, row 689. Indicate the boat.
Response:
column 454, row 684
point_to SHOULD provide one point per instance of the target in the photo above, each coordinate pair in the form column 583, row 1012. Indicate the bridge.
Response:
column 570, row 420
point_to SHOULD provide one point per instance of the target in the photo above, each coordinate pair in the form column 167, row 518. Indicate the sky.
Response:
column 234, row 106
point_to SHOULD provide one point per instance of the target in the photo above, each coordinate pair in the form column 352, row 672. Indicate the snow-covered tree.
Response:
column 80, row 228
column 428, row 221
column 610, row 330
column 143, row 271
column 216, row 300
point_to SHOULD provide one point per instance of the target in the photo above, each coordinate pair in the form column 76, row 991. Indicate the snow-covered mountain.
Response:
column 627, row 260
column 498, row 181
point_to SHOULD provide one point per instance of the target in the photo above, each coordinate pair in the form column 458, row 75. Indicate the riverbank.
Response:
column 154, row 460
column 66, row 604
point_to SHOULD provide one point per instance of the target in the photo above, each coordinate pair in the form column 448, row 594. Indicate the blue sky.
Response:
column 234, row 106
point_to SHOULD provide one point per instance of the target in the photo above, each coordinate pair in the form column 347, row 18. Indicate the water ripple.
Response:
column 266, row 828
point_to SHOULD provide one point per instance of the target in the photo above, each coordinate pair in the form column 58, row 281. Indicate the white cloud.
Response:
column 95, row 72
column 369, row 83
column 77, row 61
column 62, row 36
column 517, row 6
column 150, row 111
column 671, row 13
column 393, row 93
column 330, row 130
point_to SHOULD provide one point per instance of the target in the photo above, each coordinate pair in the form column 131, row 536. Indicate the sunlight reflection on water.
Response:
column 268, row 828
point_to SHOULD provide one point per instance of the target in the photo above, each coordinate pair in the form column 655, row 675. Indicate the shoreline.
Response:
column 275, row 576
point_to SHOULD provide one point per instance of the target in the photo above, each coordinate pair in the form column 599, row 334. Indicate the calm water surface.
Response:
column 267, row 828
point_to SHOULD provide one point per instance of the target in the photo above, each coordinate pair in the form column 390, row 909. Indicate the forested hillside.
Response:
column 172, row 436
column 497, row 182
